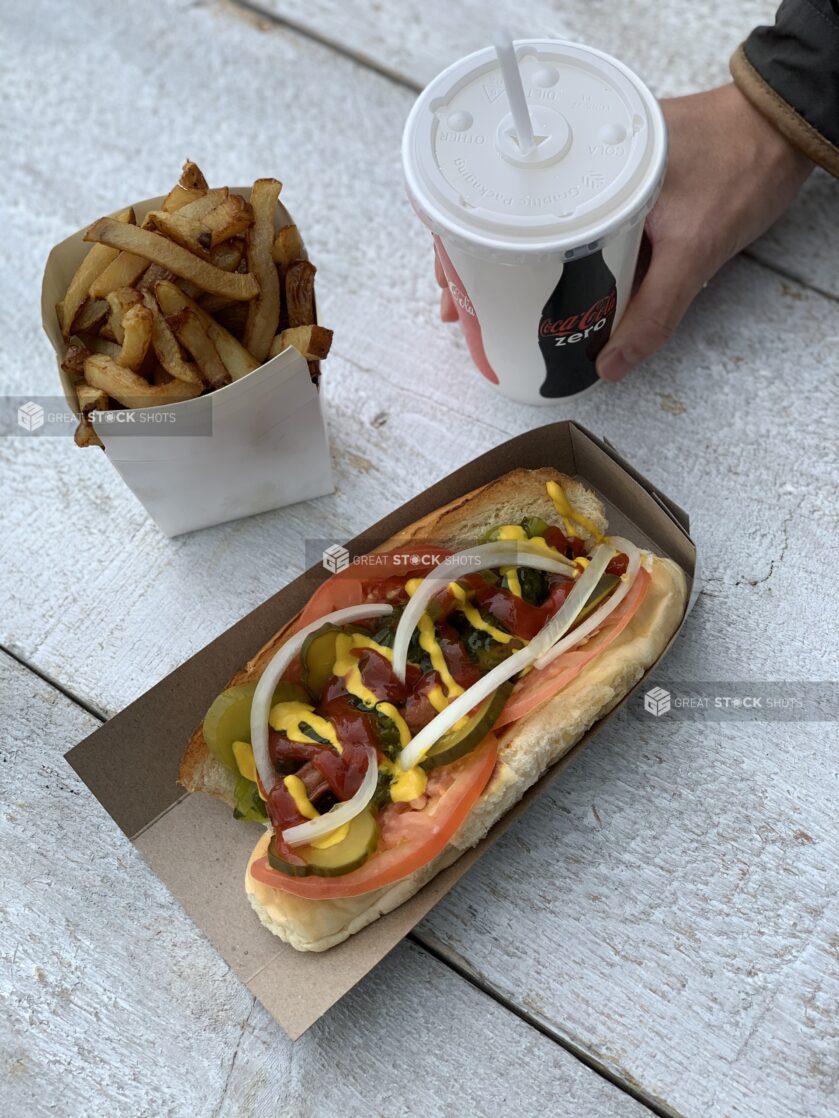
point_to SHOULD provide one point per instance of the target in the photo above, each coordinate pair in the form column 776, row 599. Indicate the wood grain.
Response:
column 678, row 48
column 684, row 945
column 114, row 1001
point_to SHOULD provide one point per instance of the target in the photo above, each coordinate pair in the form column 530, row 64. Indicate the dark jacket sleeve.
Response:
column 790, row 73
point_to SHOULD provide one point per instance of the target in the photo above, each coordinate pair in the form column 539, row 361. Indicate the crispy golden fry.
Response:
column 96, row 261
column 74, row 358
column 288, row 245
column 86, row 436
column 122, row 272
column 97, row 344
column 90, row 398
column 166, row 347
column 205, row 203
column 192, row 177
column 232, row 217
column 178, row 197
column 236, row 358
column 191, row 186
column 189, row 330
column 137, row 325
column 300, row 293
column 264, row 311
column 132, row 390
column 92, row 313
column 312, row 341
column 186, row 231
column 228, row 256
column 158, row 250
column 121, row 301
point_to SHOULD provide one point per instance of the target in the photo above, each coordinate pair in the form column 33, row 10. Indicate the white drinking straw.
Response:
column 515, row 90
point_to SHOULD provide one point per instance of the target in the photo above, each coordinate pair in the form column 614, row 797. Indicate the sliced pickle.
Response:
column 248, row 802
column 344, row 857
column 229, row 717
column 601, row 592
column 317, row 658
column 457, row 743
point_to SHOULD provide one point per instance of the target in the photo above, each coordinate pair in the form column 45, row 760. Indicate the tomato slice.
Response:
column 540, row 685
column 409, row 839
column 357, row 582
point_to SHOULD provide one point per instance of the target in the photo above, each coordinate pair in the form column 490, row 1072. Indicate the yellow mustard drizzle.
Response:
column 473, row 616
column 405, row 786
column 297, row 790
column 286, row 718
column 569, row 514
column 512, row 532
column 437, row 698
column 349, row 668
column 243, row 755
column 430, row 644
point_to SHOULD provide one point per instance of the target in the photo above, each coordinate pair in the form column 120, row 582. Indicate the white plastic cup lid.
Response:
column 600, row 153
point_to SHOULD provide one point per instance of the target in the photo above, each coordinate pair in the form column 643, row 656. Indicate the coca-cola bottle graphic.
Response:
column 576, row 323
column 469, row 323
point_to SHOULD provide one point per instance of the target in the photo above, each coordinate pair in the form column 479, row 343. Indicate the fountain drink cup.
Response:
column 538, row 247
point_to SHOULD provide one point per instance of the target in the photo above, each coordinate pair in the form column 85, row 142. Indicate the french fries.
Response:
column 90, row 268
column 312, row 341
column 120, row 302
column 191, row 186
column 264, row 311
column 229, row 219
column 130, row 389
column 300, row 293
column 158, row 250
column 288, row 245
column 236, row 358
column 188, row 232
column 124, row 271
column 200, row 294
column 166, row 347
column 91, row 315
column 136, row 336
column 91, row 399
column 188, row 329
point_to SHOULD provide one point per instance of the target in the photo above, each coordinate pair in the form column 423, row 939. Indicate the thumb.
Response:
column 654, row 312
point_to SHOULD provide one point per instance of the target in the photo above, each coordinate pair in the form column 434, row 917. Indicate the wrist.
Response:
column 771, row 149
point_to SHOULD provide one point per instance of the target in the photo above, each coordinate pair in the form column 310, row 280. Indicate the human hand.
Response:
column 730, row 175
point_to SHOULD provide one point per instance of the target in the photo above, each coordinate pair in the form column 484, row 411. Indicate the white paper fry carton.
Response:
column 257, row 444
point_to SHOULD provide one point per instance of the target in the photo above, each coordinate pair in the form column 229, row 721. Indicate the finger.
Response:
column 448, row 311
column 654, row 312
column 438, row 271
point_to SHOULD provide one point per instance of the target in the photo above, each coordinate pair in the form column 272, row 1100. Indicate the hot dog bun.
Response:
column 526, row 748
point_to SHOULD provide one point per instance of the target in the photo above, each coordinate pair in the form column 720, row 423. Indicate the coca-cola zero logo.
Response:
column 575, row 327
column 461, row 299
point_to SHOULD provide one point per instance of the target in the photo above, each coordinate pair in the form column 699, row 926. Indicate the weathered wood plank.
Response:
column 114, row 1001
column 671, row 906
column 678, row 47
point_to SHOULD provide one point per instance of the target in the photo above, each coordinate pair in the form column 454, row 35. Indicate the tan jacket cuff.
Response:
column 789, row 123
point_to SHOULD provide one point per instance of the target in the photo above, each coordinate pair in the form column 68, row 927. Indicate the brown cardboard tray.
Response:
column 193, row 843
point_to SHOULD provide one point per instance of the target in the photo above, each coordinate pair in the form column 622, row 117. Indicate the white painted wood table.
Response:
column 660, row 933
